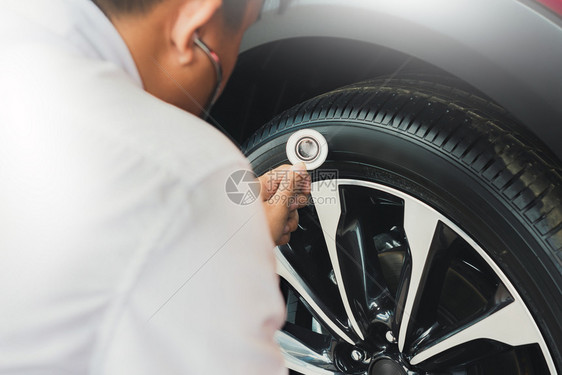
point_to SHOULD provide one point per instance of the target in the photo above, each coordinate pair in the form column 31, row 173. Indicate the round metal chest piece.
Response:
column 307, row 146
column 307, row 149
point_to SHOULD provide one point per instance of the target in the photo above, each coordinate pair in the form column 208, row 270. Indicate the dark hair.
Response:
column 234, row 10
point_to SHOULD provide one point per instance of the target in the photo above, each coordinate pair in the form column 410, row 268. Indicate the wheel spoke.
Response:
column 511, row 325
column 328, row 207
column 287, row 272
column 420, row 224
column 360, row 267
column 299, row 357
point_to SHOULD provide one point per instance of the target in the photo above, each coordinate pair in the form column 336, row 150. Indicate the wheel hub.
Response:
column 386, row 366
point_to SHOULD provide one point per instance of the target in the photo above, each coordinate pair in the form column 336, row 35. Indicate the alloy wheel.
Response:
column 379, row 283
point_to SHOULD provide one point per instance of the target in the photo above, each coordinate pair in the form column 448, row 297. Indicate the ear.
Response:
column 192, row 15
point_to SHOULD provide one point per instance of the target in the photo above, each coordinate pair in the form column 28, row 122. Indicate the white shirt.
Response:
column 120, row 252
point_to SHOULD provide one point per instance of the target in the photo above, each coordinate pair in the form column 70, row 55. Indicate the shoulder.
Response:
column 48, row 81
column 167, row 136
column 99, row 99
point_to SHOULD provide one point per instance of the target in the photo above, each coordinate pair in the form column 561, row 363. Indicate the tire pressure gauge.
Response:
column 307, row 146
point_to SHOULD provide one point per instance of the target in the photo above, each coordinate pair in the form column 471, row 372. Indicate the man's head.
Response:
column 161, row 36
column 234, row 10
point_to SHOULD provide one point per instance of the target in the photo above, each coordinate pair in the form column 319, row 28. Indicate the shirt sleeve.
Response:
column 206, row 298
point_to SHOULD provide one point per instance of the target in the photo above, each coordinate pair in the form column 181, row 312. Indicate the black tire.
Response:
column 460, row 155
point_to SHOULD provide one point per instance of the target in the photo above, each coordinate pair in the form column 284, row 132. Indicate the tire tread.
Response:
column 474, row 132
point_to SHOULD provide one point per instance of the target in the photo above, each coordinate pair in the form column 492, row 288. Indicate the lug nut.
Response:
column 390, row 337
column 357, row 355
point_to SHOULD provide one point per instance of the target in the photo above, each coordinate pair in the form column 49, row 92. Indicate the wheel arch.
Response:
column 487, row 49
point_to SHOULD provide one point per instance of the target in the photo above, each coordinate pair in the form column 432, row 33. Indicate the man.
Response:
column 120, row 252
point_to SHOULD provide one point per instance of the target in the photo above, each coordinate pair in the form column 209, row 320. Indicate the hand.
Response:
column 283, row 191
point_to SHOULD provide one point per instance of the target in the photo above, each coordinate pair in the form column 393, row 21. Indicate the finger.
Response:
column 271, row 180
column 283, row 240
column 303, row 182
column 295, row 178
column 302, row 193
column 299, row 201
column 292, row 222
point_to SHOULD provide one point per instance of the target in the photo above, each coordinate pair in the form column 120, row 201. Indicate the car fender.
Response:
column 509, row 50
